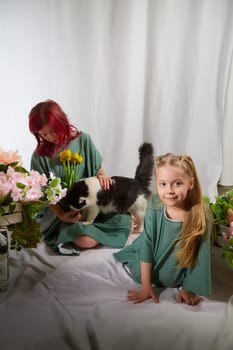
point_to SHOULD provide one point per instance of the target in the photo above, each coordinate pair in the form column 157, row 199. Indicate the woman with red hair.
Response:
column 61, row 227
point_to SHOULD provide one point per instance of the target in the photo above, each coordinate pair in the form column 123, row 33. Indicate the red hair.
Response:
column 50, row 113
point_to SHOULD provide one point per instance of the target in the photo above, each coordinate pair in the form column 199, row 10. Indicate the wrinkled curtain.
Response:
column 226, row 178
column 125, row 71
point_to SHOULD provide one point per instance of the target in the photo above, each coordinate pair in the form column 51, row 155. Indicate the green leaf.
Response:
column 54, row 182
column 220, row 207
column 230, row 242
column 20, row 185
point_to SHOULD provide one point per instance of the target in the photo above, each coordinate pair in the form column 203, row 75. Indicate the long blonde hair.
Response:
column 194, row 225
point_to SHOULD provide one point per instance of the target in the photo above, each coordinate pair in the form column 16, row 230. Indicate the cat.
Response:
column 125, row 195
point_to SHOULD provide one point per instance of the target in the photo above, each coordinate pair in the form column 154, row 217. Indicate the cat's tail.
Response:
column 145, row 168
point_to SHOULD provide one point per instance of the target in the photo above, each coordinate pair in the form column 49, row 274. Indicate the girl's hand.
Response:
column 188, row 298
column 71, row 216
column 138, row 296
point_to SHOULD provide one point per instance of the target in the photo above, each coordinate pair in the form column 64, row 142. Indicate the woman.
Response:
column 60, row 226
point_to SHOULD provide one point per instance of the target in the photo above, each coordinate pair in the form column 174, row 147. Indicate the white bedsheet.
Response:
column 79, row 302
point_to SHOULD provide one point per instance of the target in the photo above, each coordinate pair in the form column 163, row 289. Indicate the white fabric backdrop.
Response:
column 125, row 71
column 227, row 168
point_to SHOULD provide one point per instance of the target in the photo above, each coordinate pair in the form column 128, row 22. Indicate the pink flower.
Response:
column 29, row 186
column 231, row 228
column 9, row 157
column 225, row 237
column 5, row 186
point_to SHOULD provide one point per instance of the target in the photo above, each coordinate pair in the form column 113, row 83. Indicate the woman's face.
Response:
column 48, row 134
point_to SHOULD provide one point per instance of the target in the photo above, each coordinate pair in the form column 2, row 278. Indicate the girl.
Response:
column 174, row 248
column 60, row 226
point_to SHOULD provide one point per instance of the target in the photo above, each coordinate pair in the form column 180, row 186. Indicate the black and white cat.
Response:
column 126, row 195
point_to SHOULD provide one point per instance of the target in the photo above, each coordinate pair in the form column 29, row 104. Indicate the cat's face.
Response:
column 83, row 193
column 79, row 205
column 77, row 195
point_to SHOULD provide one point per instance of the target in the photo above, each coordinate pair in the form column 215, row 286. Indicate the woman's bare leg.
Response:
column 86, row 242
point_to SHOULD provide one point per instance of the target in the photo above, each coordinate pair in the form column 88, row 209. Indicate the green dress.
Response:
column 157, row 245
column 110, row 230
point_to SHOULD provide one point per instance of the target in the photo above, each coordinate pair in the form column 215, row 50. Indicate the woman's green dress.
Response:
column 111, row 230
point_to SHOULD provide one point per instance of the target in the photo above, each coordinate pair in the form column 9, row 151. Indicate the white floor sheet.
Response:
column 80, row 302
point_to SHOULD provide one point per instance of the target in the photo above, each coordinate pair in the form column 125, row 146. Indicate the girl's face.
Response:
column 48, row 134
column 173, row 185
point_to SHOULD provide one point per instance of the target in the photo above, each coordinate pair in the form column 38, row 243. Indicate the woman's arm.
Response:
column 146, row 292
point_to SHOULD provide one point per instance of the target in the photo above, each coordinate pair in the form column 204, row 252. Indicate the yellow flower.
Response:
column 65, row 155
column 70, row 163
column 76, row 158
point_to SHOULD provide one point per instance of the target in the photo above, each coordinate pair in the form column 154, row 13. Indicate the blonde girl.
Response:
column 174, row 248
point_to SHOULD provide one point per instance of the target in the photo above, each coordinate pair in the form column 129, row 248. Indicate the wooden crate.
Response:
column 11, row 218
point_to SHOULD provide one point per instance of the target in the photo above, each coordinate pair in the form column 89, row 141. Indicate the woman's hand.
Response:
column 188, row 298
column 71, row 216
column 138, row 296
column 104, row 179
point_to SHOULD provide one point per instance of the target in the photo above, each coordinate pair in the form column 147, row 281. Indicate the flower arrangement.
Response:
column 222, row 210
column 227, row 236
column 70, row 163
column 31, row 190
column 13, row 159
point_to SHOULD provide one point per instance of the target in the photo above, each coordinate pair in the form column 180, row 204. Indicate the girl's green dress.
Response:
column 157, row 245
column 111, row 230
